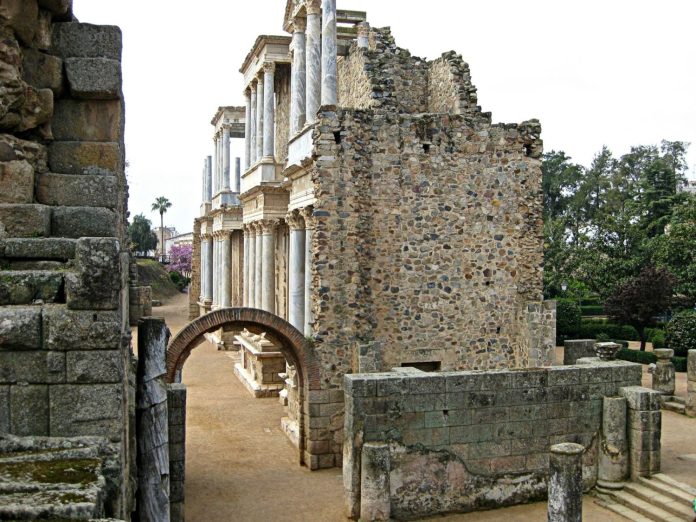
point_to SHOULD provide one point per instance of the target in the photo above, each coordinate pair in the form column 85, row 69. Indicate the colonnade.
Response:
column 216, row 269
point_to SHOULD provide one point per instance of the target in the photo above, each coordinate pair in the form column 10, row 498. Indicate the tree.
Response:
column 180, row 258
column 637, row 301
column 161, row 205
column 142, row 238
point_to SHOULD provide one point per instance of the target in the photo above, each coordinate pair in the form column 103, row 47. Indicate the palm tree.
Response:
column 161, row 205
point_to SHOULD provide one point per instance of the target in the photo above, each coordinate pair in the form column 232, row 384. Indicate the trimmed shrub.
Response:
column 658, row 339
column 568, row 320
column 592, row 310
column 681, row 332
column 592, row 329
column 648, row 358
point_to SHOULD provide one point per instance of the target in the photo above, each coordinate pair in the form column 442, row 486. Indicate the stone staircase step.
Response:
column 678, row 399
column 672, row 492
column 666, row 479
column 25, row 287
column 675, row 407
column 655, row 498
column 620, row 509
column 644, row 508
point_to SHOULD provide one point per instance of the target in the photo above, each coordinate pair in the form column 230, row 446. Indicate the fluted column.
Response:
column 299, row 69
column 252, row 124
column 247, row 130
column 328, row 53
column 259, row 118
column 258, row 274
column 226, row 255
column 269, row 110
column 226, row 158
column 208, row 244
column 309, row 230
column 268, row 275
column 296, row 267
column 363, row 35
column 245, row 268
column 251, row 271
column 313, row 57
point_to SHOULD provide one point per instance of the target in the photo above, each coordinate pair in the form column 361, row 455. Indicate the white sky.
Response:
column 595, row 72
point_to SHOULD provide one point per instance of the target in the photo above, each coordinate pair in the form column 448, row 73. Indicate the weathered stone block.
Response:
column 577, row 348
column 24, row 220
column 86, row 409
column 95, row 284
column 94, row 78
column 65, row 329
column 90, row 157
column 37, row 110
column 22, row 16
column 48, row 248
column 94, row 367
column 29, row 410
column 23, row 366
column 14, row 149
column 88, row 120
column 74, row 39
column 43, row 71
column 4, row 409
column 639, row 398
column 16, row 182
column 43, row 35
column 18, row 287
column 20, row 328
column 76, row 222
column 84, row 191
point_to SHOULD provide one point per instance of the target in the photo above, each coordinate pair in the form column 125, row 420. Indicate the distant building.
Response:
column 689, row 186
column 180, row 239
column 169, row 233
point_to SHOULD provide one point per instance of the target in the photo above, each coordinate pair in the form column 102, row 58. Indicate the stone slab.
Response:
column 67, row 330
column 77, row 191
column 26, row 366
column 76, row 222
column 24, row 220
column 88, row 120
column 47, row 248
column 94, row 78
column 29, row 410
column 20, row 328
column 95, row 284
column 94, row 367
column 86, row 409
column 43, row 71
column 19, row 287
column 74, row 39
column 85, row 157
column 16, row 182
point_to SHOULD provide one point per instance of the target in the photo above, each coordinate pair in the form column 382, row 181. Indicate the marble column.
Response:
column 204, row 191
column 269, row 110
column 245, row 268
column 363, row 35
column 329, row 92
column 236, row 186
column 298, row 95
column 258, row 274
column 247, row 129
column 259, row 118
column 252, row 125
column 309, row 230
column 251, row 270
column 565, row 483
column 215, row 165
column 313, row 57
column 226, row 158
column 203, row 269
column 226, row 267
column 209, row 179
column 268, row 275
column 208, row 244
column 216, row 267
column 296, row 268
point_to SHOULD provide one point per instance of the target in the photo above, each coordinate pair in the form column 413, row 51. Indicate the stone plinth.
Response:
column 260, row 366
column 613, row 447
column 565, row 483
column 644, row 430
column 576, row 349
column 663, row 377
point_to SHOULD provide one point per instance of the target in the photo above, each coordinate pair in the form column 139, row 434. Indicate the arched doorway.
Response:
column 287, row 338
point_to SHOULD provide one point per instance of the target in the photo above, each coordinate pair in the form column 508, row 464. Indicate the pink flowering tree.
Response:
column 180, row 257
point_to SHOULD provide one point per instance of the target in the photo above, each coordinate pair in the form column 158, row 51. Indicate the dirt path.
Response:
column 240, row 466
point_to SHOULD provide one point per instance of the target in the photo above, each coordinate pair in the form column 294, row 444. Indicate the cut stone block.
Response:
column 14, row 149
column 16, row 182
column 42, row 71
column 86, row 409
column 70, row 190
column 22, row 16
column 95, row 284
column 26, row 366
column 65, row 329
column 88, row 120
column 94, row 158
column 4, row 409
column 639, row 398
column 74, row 39
column 94, row 78
column 94, row 367
column 76, row 222
column 20, row 328
column 18, row 287
column 48, row 248
column 29, row 410
column 24, row 220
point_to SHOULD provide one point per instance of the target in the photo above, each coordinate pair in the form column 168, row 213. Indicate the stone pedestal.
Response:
column 375, row 503
column 691, row 384
column 644, row 430
column 663, row 377
column 613, row 446
column 565, row 483
column 576, row 349
column 261, row 365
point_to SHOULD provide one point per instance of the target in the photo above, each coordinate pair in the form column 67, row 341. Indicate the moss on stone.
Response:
column 69, row 471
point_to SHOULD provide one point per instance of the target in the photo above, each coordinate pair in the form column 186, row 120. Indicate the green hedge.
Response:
column 591, row 329
column 648, row 358
column 681, row 332
column 592, row 309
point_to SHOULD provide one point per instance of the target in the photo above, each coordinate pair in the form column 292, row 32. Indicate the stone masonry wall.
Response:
column 64, row 336
column 462, row 441
column 354, row 89
column 195, row 285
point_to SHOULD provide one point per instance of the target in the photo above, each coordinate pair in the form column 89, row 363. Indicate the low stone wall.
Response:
column 463, row 441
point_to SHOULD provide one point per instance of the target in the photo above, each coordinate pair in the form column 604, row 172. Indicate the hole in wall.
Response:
column 337, row 137
column 424, row 366
column 426, row 148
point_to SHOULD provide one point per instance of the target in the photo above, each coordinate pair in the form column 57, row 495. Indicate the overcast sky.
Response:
column 595, row 72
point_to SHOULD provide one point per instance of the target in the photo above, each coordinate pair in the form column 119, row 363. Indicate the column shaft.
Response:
column 247, row 132
column 209, row 179
column 226, row 255
column 328, row 53
column 268, row 276
column 226, row 159
column 313, row 57
column 252, row 126
column 259, row 119
column 203, row 269
column 245, row 269
column 251, row 271
column 308, row 282
column 258, row 274
column 296, row 278
column 299, row 69
column 236, row 186
column 565, row 483
column 209, row 269
column 269, row 110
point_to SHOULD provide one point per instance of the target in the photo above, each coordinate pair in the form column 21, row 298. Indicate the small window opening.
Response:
column 424, row 366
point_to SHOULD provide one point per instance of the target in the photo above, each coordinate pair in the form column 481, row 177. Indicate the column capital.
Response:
column 313, row 7
column 269, row 67
column 299, row 24
column 295, row 220
column 308, row 215
column 267, row 226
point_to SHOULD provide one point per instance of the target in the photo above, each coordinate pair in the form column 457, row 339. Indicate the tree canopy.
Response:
column 142, row 238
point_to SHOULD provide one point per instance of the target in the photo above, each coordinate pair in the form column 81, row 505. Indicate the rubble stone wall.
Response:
column 64, row 336
column 462, row 441
column 354, row 88
column 195, row 285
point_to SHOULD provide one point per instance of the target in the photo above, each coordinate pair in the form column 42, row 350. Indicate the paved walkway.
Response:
column 240, row 466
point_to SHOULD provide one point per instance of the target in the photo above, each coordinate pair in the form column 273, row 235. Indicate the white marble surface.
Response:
column 268, row 111
column 259, row 119
column 226, row 256
column 245, row 269
column 247, row 132
column 328, row 53
column 296, row 278
column 299, row 94
column 308, row 283
column 313, row 70
column 226, row 159
column 258, row 274
column 252, row 267
column 252, row 128
column 268, row 276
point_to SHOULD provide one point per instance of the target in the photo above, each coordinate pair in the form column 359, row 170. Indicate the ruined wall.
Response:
column 64, row 336
column 354, row 88
column 282, row 111
column 450, row 89
column 462, row 441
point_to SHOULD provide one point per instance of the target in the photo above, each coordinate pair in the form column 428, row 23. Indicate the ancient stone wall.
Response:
column 449, row 86
column 461, row 441
column 195, row 285
column 282, row 111
column 64, row 338
column 354, row 88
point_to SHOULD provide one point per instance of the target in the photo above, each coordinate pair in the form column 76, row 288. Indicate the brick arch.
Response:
column 292, row 342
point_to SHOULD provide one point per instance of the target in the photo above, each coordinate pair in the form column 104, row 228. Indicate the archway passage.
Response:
column 286, row 337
